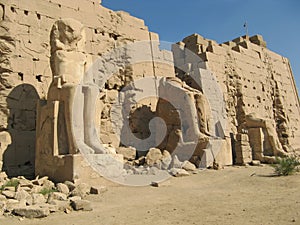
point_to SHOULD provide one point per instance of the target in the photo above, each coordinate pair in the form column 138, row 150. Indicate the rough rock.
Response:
column 255, row 163
column 13, row 203
column 129, row 153
column 154, row 184
column 188, row 166
column 154, row 171
column 2, row 198
column 70, row 185
column 175, row 162
column 140, row 161
column 38, row 199
column 32, row 212
column 178, row 172
column 48, row 184
column 25, row 183
column 3, row 176
column 40, row 181
column 22, row 195
column 98, row 190
column 153, row 157
column 166, row 160
column 36, row 189
column 8, row 193
column 81, row 205
column 63, row 188
column 81, row 190
column 57, row 196
column 61, row 205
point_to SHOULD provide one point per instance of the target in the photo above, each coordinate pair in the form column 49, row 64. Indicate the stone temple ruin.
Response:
column 79, row 79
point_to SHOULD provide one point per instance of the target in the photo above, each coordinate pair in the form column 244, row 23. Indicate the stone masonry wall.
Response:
column 253, row 79
column 25, row 73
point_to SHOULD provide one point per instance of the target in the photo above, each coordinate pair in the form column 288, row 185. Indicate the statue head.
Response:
column 67, row 34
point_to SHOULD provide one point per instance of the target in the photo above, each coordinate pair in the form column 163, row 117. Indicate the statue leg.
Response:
column 273, row 138
column 68, row 98
column 90, row 133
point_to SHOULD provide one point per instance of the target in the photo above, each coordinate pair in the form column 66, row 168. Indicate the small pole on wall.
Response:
column 246, row 27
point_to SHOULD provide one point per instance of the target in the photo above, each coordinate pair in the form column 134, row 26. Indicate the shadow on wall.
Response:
column 18, row 158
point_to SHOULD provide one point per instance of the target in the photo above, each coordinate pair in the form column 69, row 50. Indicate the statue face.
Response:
column 70, row 33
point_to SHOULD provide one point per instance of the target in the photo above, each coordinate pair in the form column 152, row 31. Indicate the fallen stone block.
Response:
column 39, row 181
column 60, row 205
column 32, row 212
column 129, row 153
column 188, row 166
column 153, row 156
column 9, row 193
column 166, row 160
column 38, row 199
column 81, row 190
column 178, row 172
column 24, row 196
column 70, row 185
column 12, row 204
column 25, row 183
column 176, row 163
column 81, row 205
column 57, row 196
column 98, row 190
column 3, row 176
column 63, row 188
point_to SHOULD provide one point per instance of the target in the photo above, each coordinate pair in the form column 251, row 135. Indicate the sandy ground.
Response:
column 230, row 196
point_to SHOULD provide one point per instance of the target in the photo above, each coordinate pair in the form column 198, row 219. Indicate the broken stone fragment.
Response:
column 70, row 185
column 61, row 205
column 39, row 181
column 13, row 203
column 24, row 196
column 2, row 207
column 25, row 183
column 81, row 190
column 188, row 166
column 175, row 162
column 38, row 198
column 129, row 153
column 154, row 184
column 31, row 212
column 140, row 161
column 178, row 172
column 255, row 163
column 49, row 185
column 63, row 188
column 9, row 193
column 57, row 196
column 154, row 156
column 98, row 190
column 2, row 198
column 166, row 160
column 81, row 205
column 154, row 171
column 36, row 189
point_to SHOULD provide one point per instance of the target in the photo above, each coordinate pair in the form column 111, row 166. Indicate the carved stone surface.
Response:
column 254, row 82
column 223, row 85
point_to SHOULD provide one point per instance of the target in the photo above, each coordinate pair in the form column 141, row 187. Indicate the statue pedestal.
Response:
column 52, row 158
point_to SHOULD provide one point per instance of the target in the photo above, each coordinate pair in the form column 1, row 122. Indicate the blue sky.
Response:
column 222, row 20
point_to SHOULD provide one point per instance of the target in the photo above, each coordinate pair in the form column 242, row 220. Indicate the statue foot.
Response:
column 98, row 149
column 85, row 149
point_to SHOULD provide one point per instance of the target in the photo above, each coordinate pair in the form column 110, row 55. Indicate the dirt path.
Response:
column 230, row 196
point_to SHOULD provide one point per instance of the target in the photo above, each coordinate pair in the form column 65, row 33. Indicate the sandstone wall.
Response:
column 253, row 79
column 25, row 73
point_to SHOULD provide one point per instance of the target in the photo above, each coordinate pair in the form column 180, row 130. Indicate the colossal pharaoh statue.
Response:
column 72, row 91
